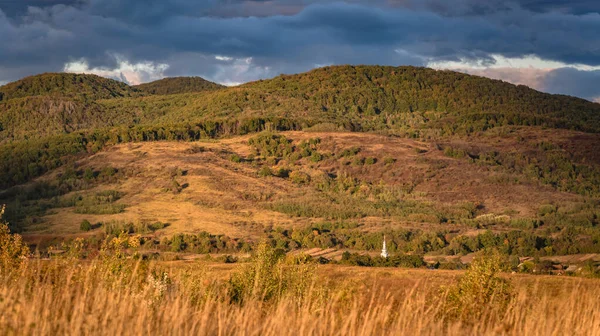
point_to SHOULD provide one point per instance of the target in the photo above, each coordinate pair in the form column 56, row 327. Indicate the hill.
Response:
column 401, row 101
column 367, row 98
column 444, row 163
column 350, row 187
column 175, row 85
column 67, row 85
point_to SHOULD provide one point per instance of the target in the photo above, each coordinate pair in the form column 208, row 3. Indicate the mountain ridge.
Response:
column 412, row 102
column 77, row 86
column 176, row 85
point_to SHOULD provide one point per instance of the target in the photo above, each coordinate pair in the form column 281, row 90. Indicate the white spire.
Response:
column 384, row 252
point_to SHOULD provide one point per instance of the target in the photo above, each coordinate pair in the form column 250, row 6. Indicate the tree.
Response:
column 13, row 251
column 85, row 225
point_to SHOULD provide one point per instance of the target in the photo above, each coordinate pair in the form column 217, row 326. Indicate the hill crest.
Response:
column 77, row 86
column 176, row 85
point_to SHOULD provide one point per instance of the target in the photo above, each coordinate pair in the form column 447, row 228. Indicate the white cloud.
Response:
column 130, row 73
column 530, row 70
column 501, row 62
column 240, row 70
column 223, row 58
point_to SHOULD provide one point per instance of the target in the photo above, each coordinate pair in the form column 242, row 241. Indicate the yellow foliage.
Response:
column 13, row 251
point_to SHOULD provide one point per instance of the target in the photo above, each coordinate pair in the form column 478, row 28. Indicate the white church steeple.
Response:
column 384, row 252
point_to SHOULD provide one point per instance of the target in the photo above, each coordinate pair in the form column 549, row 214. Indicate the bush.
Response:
column 479, row 288
column 349, row 152
column 235, row 158
column 524, row 223
column 269, row 276
column 546, row 209
column 316, row 157
column 370, row 160
column 85, row 225
column 265, row 171
column 283, row 173
column 13, row 251
column 271, row 144
column 389, row 160
column 299, row 177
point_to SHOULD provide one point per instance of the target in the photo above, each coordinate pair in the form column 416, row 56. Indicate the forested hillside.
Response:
column 59, row 115
column 174, row 85
column 75, row 86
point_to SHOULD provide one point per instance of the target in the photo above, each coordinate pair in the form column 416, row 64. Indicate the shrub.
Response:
column 265, row 171
column 283, row 173
column 389, row 160
column 350, row 152
column 270, row 276
column 88, row 174
column 235, row 158
column 359, row 161
column 546, row 209
column 524, row 223
column 101, row 203
column 299, row 177
column 271, row 144
column 479, row 288
column 13, row 251
column 156, row 226
column 85, row 225
column 316, row 157
column 455, row 153
column 370, row 160
column 108, row 171
column 178, row 243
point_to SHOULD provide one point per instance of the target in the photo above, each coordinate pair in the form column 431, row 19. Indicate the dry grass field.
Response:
column 217, row 187
column 225, row 197
column 113, row 296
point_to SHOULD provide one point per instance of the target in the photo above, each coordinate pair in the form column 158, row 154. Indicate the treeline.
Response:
column 569, row 240
column 408, row 100
column 76, row 86
column 546, row 166
column 21, row 161
column 176, row 85
column 451, row 101
column 403, row 242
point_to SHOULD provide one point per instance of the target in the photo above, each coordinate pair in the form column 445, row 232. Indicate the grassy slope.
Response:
column 224, row 197
column 188, row 298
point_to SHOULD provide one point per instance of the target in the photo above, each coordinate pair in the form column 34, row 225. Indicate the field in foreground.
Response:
column 282, row 295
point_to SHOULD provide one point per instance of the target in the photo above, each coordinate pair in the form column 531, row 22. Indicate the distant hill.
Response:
column 176, row 85
column 405, row 100
column 366, row 98
column 76, row 86
column 58, row 115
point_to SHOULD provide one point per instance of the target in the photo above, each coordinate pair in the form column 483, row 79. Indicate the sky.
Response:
column 550, row 45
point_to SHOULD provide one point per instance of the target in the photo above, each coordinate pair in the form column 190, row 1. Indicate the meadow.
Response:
column 271, row 293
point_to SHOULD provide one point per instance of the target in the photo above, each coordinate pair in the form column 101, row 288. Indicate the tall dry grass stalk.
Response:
column 68, row 297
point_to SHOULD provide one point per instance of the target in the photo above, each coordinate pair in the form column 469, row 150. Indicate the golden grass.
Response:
column 67, row 297
column 221, row 193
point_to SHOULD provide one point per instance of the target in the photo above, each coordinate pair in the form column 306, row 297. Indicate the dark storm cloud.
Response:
column 260, row 38
column 574, row 82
